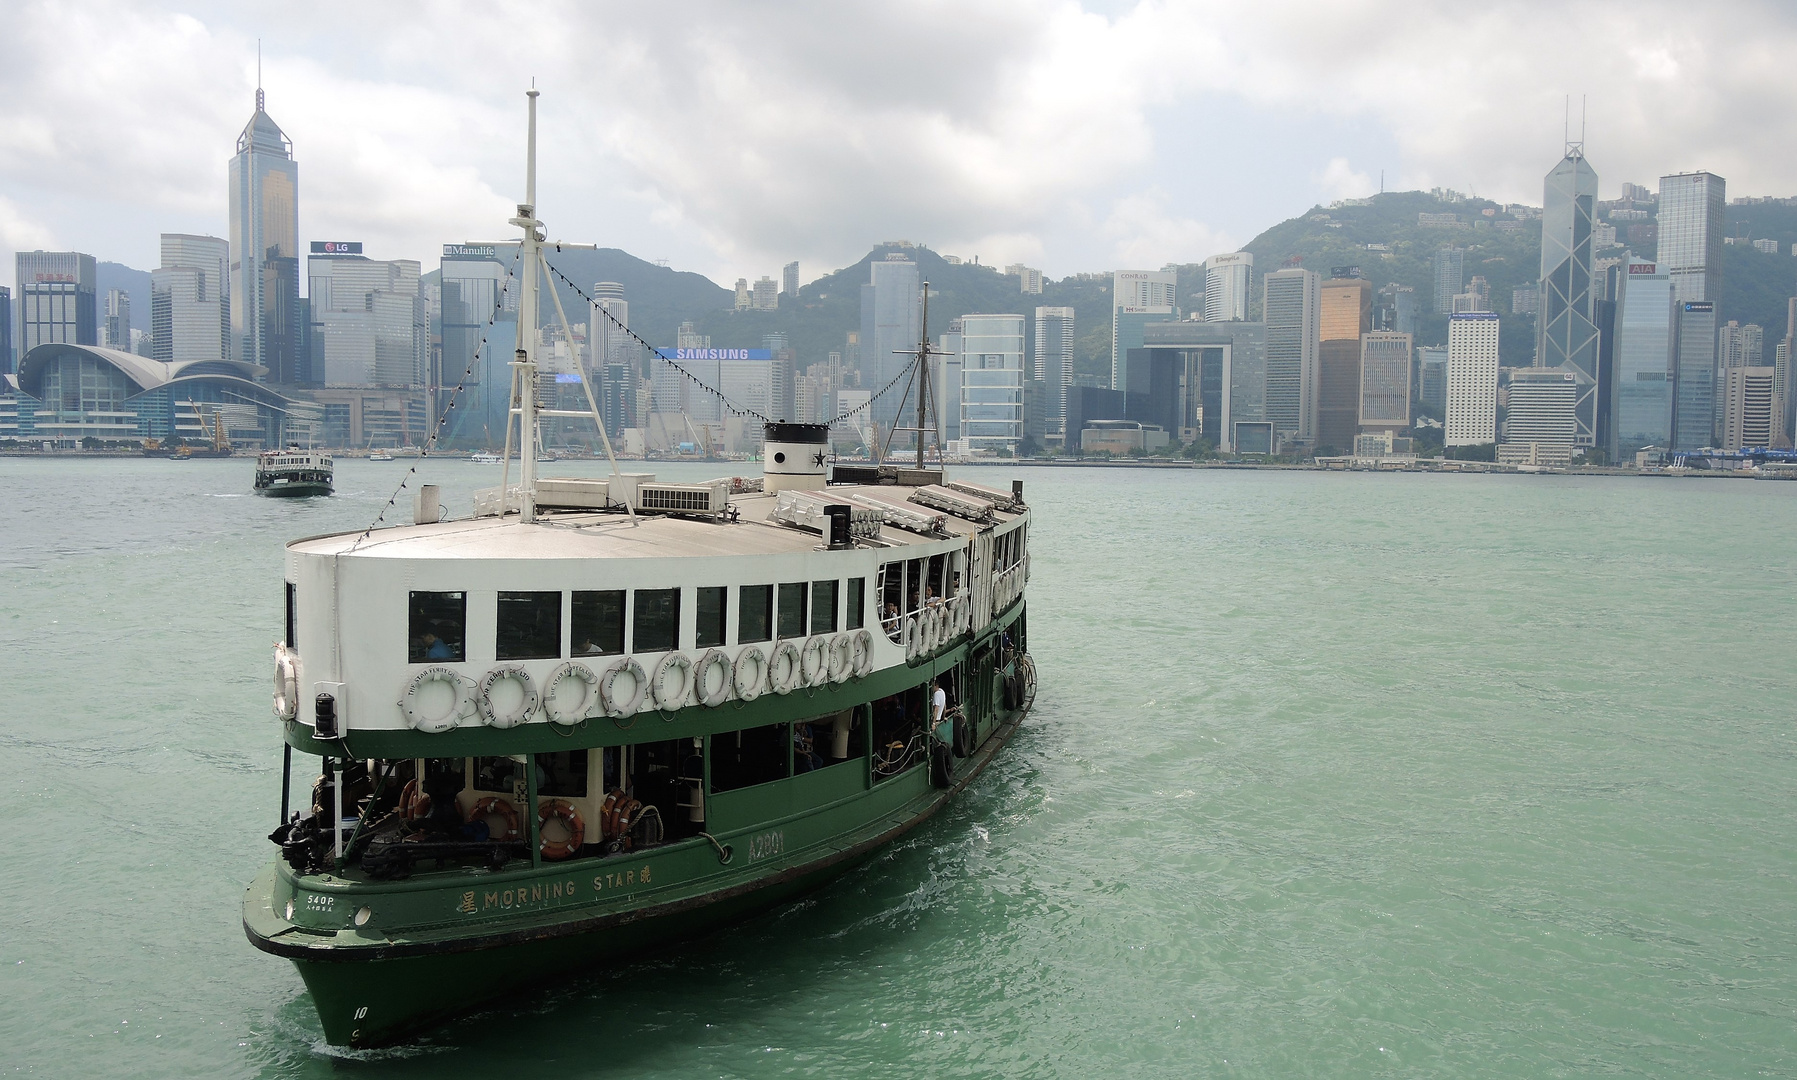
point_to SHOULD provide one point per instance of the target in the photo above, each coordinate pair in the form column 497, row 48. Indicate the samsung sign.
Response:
column 470, row 251
column 715, row 354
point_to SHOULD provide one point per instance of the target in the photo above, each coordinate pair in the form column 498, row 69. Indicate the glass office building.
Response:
column 992, row 381
column 264, row 286
column 1642, row 405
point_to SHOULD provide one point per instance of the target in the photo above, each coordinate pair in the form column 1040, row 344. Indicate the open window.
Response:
column 436, row 627
column 529, row 626
column 754, row 613
column 656, row 626
column 596, row 623
column 741, row 759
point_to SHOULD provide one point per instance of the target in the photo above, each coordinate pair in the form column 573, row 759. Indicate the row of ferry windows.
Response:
column 529, row 624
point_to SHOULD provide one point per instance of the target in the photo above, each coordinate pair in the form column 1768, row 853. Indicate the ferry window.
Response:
column 934, row 585
column 657, row 622
column 741, row 759
column 914, row 585
column 435, row 626
column 891, row 597
column 495, row 774
column 709, row 629
column 754, row 616
column 823, row 607
column 291, row 630
column 596, row 622
column 792, row 610
column 857, row 609
column 562, row 774
column 530, row 626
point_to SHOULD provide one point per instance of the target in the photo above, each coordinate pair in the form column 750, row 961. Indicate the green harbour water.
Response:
column 1329, row 775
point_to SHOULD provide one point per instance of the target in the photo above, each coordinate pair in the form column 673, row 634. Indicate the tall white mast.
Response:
column 525, row 363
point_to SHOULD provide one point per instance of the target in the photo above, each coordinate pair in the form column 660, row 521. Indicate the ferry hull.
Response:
column 372, row 992
column 294, row 489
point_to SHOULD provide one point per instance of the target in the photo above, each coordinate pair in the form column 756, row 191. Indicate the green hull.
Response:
column 461, row 940
column 295, row 490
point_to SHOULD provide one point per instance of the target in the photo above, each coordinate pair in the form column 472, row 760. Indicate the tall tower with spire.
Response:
column 1568, row 337
column 264, row 197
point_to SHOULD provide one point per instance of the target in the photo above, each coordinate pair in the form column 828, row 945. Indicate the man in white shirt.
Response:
column 943, row 727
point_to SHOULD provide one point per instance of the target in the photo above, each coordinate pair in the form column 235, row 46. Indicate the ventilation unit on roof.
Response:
column 1002, row 500
column 705, row 499
column 931, row 525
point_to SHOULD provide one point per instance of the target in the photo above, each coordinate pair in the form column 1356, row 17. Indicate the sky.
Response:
column 729, row 138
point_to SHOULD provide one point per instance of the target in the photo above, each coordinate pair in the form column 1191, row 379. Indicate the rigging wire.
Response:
column 700, row 383
column 431, row 440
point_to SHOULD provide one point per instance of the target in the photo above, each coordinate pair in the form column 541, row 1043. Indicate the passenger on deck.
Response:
column 804, row 751
column 890, row 620
column 435, row 648
column 940, row 722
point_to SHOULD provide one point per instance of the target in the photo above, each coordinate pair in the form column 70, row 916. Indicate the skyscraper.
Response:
column 6, row 361
column 1291, row 306
column 58, row 299
column 1567, row 335
column 1054, row 356
column 1642, row 408
column 789, row 279
column 117, row 333
column 766, row 295
column 190, row 311
column 369, row 318
column 1736, row 346
column 1693, row 373
column 1384, row 381
column 1472, row 379
column 1226, row 282
column 1538, row 417
column 480, row 334
column 1138, row 297
column 1346, row 313
column 1448, row 272
column 1748, row 410
column 264, row 270
column 1692, row 207
column 992, row 381
column 890, row 326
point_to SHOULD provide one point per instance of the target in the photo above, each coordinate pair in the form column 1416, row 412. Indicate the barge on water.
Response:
column 605, row 714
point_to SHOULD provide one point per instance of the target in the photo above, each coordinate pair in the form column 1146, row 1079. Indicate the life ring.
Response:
column 576, row 675
column 945, row 623
column 910, row 637
column 564, row 812
column 864, row 653
column 616, row 815
column 710, row 662
column 608, row 688
column 411, row 703
column 749, row 675
column 666, row 699
column 414, row 804
column 286, row 682
column 783, row 670
column 527, row 701
column 814, row 660
column 842, row 657
column 495, row 807
column 926, row 633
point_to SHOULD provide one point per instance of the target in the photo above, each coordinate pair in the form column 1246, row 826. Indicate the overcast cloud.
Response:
column 730, row 138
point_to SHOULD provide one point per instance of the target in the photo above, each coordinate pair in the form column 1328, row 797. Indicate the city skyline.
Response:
column 411, row 135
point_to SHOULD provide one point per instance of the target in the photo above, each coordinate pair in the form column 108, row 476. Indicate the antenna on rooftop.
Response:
column 258, row 74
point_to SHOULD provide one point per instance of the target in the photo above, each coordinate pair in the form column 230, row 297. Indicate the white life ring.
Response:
column 287, row 678
column 710, row 662
column 911, row 633
column 750, row 673
column 842, row 657
column 608, row 688
column 566, row 706
column 814, row 660
column 667, row 699
column 527, row 701
column 784, row 668
column 945, row 625
column 412, row 705
column 926, row 632
column 864, row 653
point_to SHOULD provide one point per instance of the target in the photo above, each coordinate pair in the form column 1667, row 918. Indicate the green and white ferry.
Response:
column 606, row 714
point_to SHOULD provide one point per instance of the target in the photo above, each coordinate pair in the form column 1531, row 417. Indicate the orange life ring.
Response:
column 616, row 815
column 571, row 821
column 492, row 806
column 414, row 804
